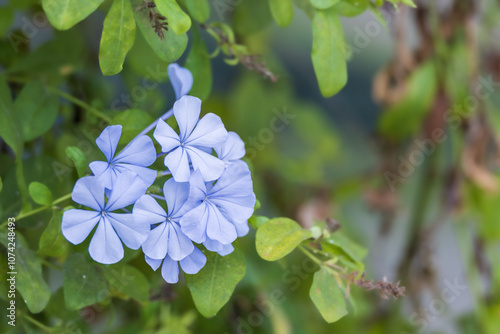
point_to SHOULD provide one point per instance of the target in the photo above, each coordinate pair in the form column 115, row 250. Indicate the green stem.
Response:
column 310, row 255
column 80, row 103
column 40, row 209
column 71, row 98
column 37, row 323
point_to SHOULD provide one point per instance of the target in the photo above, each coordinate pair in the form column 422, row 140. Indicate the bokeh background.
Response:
column 436, row 227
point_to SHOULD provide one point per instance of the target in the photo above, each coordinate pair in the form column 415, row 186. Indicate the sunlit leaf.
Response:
column 327, row 296
column 40, row 193
column 117, row 37
column 329, row 52
column 63, row 14
column 279, row 237
column 282, row 11
column 52, row 242
column 179, row 21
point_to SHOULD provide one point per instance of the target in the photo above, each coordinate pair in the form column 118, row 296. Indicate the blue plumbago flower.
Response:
column 194, row 144
column 181, row 79
column 191, row 264
column 105, row 246
column 220, row 212
column 166, row 237
column 135, row 157
column 233, row 149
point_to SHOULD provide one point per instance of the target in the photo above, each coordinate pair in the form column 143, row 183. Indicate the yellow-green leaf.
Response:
column 117, row 38
column 323, row 4
column 52, row 242
column 279, row 237
column 199, row 9
column 40, row 193
column 179, row 21
column 282, row 11
column 327, row 296
column 329, row 52
column 64, row 14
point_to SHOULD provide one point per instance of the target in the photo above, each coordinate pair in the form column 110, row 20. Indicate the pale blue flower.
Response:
column 181, row 79
column 194, row 144
column 233, row 148
column 220, row 212
column 105, row 246
column 166, row 237
column 135, row 157
column 191, row 264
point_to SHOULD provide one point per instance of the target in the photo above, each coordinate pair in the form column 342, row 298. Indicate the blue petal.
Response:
column 128, row 188
column 140, row 152
column 218, row 227
column 153, row 263
column 170, row 270
column 232, row 149
column 241, row 228
column 233, row 192
column 108, row 140
column 193, row 263
column 133, row 232
column 209, row 132
column 194, row 223
column 209, row 166
column 156, row 245
column 215, row 246
column 106, row 176
column 77, row 224
column 187, row 113
column 179, row 245
column 166, row 136
column 148, row 207
column 181, row 79
column 177, row 162
column 176, row 194
column 89, row 191
column 148, row 176
column 105, row 246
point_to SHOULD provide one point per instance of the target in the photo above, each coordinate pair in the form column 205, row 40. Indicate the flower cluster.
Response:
column 208, row 199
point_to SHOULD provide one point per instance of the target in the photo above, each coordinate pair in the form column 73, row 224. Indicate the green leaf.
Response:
column 405, row 117
column 199, row 9
column 52, row 242
column 329, row 52
column 117, row 38
column 409, row 3
column 83, row 284
column 171, row 47
column 282, row 11
column 37, row 110
column 279, row 237
column 352, row 249
column 40, row 193
column 6, row 19
column 257, row 221
column 198, row 62
column 212, row 287
column 323, row 4
column 78, row 158
column 179, row 21
column 29, row 279
column 133, row 122
column 327, row 296
column 1, row 184
column 64, row 14
column 10, row 127
column 128, row 280
column 351, row 8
